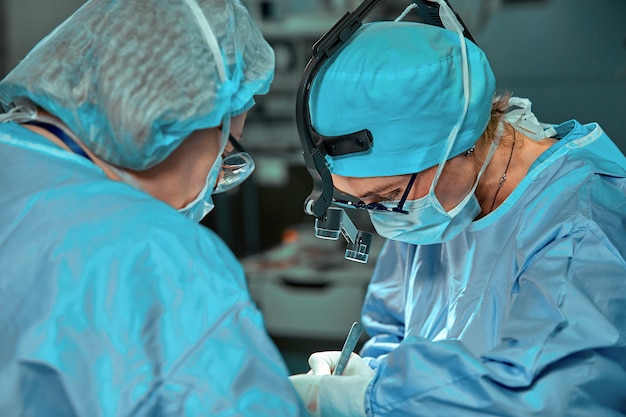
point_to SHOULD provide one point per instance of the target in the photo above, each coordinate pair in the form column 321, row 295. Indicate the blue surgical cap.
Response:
column 404, row 82
column 132, row 79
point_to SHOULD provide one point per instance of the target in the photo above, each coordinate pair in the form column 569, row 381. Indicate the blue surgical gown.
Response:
column 114, row 304
column 524, row 313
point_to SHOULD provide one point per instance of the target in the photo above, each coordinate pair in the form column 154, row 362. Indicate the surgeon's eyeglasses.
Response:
column 377, row 206
column 237, row 166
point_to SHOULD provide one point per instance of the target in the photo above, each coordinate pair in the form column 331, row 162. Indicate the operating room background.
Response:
column 567, row 56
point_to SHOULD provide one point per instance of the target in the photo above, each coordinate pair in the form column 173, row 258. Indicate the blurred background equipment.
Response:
column 567, row 56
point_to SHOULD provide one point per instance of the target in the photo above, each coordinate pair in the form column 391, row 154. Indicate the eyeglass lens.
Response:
column 237, row 166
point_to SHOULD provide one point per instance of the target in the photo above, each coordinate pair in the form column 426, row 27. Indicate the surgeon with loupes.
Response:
column 501, row 287
column 116, row 130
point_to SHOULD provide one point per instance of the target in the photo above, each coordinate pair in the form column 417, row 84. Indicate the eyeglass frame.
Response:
column 237, row 146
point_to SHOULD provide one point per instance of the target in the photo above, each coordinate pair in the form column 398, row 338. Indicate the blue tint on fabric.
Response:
column 113, row 304
column 522, row 314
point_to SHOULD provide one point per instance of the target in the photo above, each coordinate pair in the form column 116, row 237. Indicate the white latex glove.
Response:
column 326, row 395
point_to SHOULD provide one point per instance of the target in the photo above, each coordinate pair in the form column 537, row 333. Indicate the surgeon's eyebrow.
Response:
column 381, row 192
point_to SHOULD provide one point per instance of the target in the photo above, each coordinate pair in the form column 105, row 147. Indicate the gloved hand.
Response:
column 326, row 395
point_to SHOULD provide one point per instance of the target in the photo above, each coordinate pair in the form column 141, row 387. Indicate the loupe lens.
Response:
column 360, row 249
column 329, row 225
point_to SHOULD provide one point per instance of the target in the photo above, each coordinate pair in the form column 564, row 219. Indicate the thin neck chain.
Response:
column 503, row 178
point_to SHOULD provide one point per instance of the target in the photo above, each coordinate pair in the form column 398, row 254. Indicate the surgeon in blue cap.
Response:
column 501, row 288
column 117, row 129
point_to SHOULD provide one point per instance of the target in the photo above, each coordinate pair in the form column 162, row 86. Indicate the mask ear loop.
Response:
column 405, row 12
column 450, row 22
column 213, row 45
column 211, row 41
column 209, row 36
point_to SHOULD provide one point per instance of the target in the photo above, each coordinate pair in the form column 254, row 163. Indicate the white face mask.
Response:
column 427, row 222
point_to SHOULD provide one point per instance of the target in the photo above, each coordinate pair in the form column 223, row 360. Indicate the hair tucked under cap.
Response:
column 132, row 79
column 404, row 82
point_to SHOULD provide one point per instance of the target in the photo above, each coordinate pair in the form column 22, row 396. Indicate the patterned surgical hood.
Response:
column 132, row 79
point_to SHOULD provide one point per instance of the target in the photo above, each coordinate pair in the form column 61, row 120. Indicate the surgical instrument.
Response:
column 348, row 348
